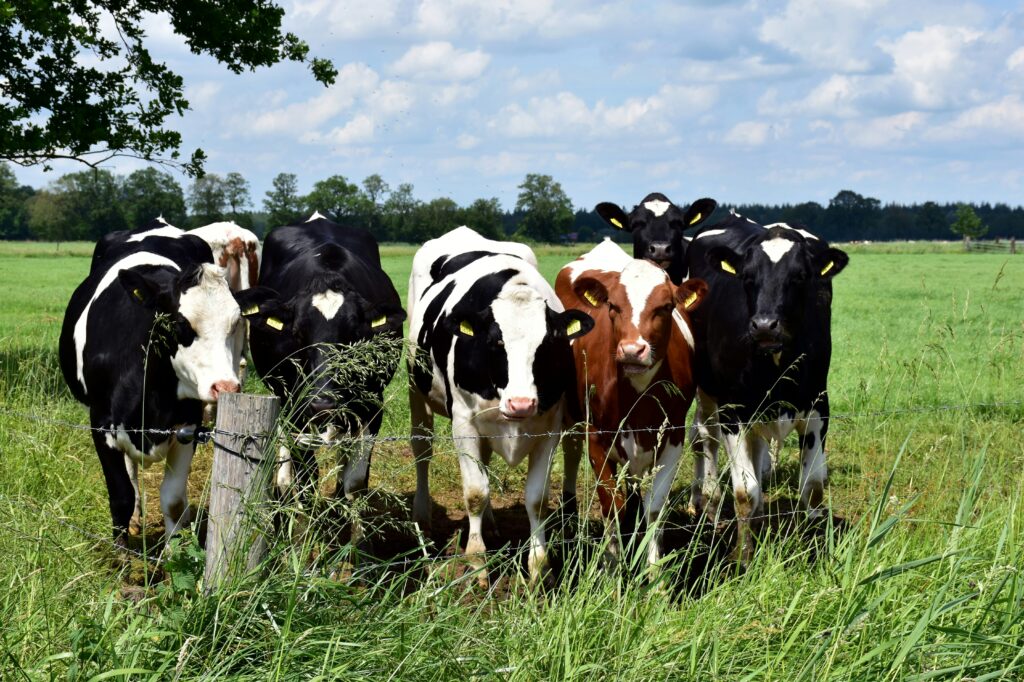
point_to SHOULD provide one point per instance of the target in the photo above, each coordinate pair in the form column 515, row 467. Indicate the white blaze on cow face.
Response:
column 521, row 314
column 639, row 278
column 776, row 248
column 81, row 325
column 209, row 365
column 657, row 207
column 328, row 303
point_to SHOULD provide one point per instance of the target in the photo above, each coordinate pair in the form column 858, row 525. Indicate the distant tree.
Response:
column 853, row 215
column 485, row 216
column 208, row 199
column 968, row 225
column 236, row 194
column 13, row 214
column 149, row 193
column 433, row 219
column 547, row 211
column 47, row 217
column 810, row 214
column 398, row 213
column 339, row 199
column 91, row 199
column 283, row 204
column 376, row 190
column 71, row 92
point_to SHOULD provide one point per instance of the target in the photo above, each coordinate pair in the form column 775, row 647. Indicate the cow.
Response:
column 151, row 334
column 489, row 349
column 322, row 289
column 763, row 350
column 634, row 382
column 657, row 226
column 235, row 249
column 112, row 243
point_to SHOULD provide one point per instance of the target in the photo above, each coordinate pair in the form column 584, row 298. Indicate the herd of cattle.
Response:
column 737, row 316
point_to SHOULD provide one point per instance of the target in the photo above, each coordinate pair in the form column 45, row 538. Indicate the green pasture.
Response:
column 918, row 574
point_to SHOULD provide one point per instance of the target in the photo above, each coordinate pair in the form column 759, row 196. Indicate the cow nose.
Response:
column 322, row 405
column 223, row 387
column 763, row 325
column 659, row 251
column 636, row 351
column 520, row 407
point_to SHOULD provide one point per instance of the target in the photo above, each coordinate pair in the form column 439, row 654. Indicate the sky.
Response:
column 745, row 102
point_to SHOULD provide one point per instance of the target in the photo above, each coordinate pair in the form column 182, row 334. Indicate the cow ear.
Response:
column 590, row 291
column 723, row 259
column 831, row 263
column 154, row 290
column 381, row 319
column 698, row 212
column 690, row 294
column 613, row 215
column 572, row 324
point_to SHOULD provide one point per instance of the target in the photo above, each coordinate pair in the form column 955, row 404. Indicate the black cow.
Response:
column 657, row 226
column 763, row 342
column 150, row 335
column 321, row 288
column 491, row 352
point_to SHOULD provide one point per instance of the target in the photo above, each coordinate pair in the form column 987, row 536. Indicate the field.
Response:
column 917, row 576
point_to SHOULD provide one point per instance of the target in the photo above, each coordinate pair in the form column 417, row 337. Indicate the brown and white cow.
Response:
column 235, row 249
column 634, row 380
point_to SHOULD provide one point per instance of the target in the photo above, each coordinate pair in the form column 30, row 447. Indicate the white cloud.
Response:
column 829, row 35
column 883, row 131
column 748, row 134
column 1015, row 62
column 441, row 61
column 346, row 18
column 544, row 79
column 466, row 141
column 513, row 20
column 1000, row 120
column 202, row 94
column 357, row 131
column 931, row 63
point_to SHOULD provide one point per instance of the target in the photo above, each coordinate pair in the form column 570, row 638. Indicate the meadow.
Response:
column 917, row 575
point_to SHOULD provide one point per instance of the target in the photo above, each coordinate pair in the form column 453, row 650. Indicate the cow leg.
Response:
column 608, row 493
column 572, row 453
column 354, row 478
column 120, row 492
column 813, row 469
column 741, row 449
column 538, row 478
column 763, row 457
column 132, row 467
column 174, row 488
column 665, row 469
column 476, row 492
column 705, row 435
column 422, row 449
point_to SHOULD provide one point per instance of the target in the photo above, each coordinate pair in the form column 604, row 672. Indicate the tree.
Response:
column 853, row 215
column 75, row 89
column 433, row 219
column 91, row 201
column 283, row 203
column 47, row 217
column 340, row 199
column 930, row 221
column 547, row 211
column 13, row 215
column 399, row 210
column 485, row 216
column 208, row 199
column 968, row 225
column 236, row 194
column 376, row 189
column 149, row 193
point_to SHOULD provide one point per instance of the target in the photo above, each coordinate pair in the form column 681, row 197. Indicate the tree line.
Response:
column 86, row 205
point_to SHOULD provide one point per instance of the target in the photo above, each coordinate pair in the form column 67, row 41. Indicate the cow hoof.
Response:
column 135, row 527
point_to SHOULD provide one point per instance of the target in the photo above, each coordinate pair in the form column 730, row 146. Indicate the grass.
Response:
column 918, row 578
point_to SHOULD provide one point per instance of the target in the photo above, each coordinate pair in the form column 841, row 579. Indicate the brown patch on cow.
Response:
column 253, row 260
column 476, row 501
column 230, row 258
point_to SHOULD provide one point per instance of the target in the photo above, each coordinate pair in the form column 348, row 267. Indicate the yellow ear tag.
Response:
column 573, row 328
column 728, row 267
column 591, row 299
column 696, row 218
column 275, row 323
column 615, row 222
column 379, row 322
column 466, row 328
column 828, row 267
column 137, row 293
column 690, row 300
column 251, row 310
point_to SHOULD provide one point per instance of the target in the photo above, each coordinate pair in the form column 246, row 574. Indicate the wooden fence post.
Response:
column 239, row 485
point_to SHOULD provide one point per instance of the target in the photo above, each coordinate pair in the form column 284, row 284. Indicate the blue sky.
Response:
column 742, row 101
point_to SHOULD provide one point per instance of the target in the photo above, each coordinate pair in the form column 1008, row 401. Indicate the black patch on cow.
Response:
column 432, row 336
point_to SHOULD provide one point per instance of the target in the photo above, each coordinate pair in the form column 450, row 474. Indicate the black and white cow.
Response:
column 150, row 335
column 321, row 288
column 763, row 341
column 657, row 226
column 490, row 350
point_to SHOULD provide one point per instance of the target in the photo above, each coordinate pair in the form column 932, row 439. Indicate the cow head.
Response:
column 657, row 226
column 516, row 349
column 325, row 315
column 641, row 303
column 782, row 273
column 205, row 333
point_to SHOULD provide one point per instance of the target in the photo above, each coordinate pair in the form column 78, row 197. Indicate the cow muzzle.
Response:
column 766, row 333
column 230, row 386
column 634, row 357
column 515, row 409
column 659, row 253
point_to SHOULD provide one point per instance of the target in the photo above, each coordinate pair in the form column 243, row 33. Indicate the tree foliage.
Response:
column 80, row 83
column 967, row 224
column 208, row 199
column 340, row 199
column 547, row 210
column 283, row 203
column 236, row 194
column 14, row 222
column 150, row 193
